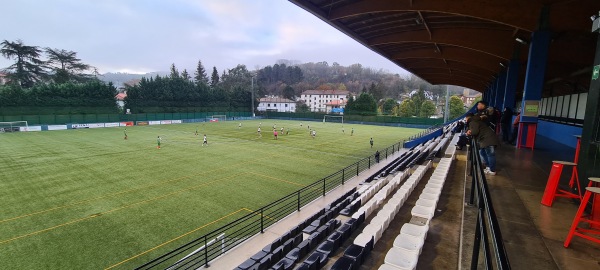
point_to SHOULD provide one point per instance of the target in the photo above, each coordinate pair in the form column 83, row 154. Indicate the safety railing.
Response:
column 488, row 241
column 205, row 248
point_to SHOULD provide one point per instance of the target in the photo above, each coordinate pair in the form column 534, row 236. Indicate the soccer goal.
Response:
column 14, row 126
column 333, row 118
column 218, row 118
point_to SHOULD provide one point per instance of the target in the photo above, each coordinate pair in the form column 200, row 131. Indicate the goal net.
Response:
column 333, row 118
column 218, row 118
column 15, row 126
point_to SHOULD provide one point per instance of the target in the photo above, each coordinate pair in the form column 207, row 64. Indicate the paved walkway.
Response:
column 534, row 234
column 239, row 254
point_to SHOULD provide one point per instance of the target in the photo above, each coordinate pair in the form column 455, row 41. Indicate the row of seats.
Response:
column 316, row 238
column 408, row 244
column 284, row 251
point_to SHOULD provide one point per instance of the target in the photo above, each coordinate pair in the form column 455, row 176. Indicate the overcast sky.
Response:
column 139, row 36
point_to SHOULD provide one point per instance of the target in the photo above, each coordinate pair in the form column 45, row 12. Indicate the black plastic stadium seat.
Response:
column 316, row 260
column 343, row 263
column 277, row 254
column 287, row 246
column 259, row 255
column 286, row 236
column 345, row 230
column 336, row 239
column 284, row 264
column 304, row 247
column 303, row 266
column 293, row 255
column 265, row 263
column 355, row 252
column 270, row 247
column 249, row 264
column 326, row 248
column 309, row 229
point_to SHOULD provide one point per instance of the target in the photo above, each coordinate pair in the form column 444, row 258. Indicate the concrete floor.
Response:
column 533, row 234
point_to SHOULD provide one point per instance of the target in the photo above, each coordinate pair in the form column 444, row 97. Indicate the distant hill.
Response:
column 118, row 78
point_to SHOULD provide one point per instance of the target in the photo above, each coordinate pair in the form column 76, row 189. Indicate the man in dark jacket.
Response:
column 506, row 123
column 487, row 140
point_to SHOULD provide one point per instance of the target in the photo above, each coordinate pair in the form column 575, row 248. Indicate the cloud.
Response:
column 149, row 35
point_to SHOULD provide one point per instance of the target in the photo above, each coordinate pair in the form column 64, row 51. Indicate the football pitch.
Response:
column 89, row 199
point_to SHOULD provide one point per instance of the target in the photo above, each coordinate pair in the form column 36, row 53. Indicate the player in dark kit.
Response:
column 125, row 133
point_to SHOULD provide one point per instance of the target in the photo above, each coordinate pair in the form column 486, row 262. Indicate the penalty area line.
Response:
column 176, row 238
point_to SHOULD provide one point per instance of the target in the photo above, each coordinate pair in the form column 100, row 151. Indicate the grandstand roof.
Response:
column 466, row 42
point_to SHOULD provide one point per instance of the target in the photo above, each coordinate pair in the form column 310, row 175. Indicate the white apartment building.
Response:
column 276, row 104
column 317, row 100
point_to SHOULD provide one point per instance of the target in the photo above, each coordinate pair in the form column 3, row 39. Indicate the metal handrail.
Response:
column 486, row 218
column 256, row 222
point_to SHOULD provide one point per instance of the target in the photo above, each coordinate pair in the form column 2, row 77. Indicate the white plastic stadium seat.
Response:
column 409, row 243
column 426, row 202
column 423, row 211
column 402, row 259
column 415, row 230
column 362, row 239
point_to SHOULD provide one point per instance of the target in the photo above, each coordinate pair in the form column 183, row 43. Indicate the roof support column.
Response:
column 534, row 82
column 590, row 135
column 492, row 92
column 510, row 89
column 500, row 89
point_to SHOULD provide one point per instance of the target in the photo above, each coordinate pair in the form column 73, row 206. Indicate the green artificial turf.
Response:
column 88, row 199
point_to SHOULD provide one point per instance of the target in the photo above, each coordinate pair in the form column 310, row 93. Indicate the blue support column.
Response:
column 500, row 89
column 512, row 78
column 492, row 92
column 534, row 84
column 536, row 69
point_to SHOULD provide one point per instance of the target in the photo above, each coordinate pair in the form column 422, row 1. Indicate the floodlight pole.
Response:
column 252, row 87
column 446, row 109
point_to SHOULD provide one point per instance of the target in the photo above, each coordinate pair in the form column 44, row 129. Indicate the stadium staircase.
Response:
column 361, row 215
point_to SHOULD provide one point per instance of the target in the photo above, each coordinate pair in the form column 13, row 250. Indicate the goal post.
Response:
column 333, row 118
column 14, row 126
column 218, row 118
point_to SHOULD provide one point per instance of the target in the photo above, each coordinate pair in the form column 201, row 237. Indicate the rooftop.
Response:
column 325, row 92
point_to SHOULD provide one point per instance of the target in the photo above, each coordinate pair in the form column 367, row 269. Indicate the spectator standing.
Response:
column 505, row 124
column 487, row 140
column 515, row 130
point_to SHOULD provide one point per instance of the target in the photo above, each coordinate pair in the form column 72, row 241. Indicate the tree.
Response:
column 174, row 72
column 288, row 92
column 388, row 105
column 365, row 104
column 66, row 66
column 214, row 78
column 200, row 74
column 407, row 108
column 301, row 107
column 418, row 99
column 456, row 107
column 427, row 109
column 185, row 75
column 28, row 67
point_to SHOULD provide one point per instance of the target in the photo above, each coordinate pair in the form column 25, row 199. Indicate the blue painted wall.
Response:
column 558, row 133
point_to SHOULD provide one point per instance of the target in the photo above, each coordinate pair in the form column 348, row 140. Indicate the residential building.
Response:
column 120, row 97
column 468, row 96
column 335, row 106
column 276, row 104
column 317, row 100
column 3, row 78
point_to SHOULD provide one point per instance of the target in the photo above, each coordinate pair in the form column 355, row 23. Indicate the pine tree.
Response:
column 214, row 78
column 185, row 75
column 200, row 75
column 174, row 72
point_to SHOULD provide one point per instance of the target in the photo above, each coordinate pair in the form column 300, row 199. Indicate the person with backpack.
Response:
column 487, row 140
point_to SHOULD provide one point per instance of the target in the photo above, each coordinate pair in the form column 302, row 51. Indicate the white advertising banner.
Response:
column 31, row 128
column 176, row 121
column 154, row 122
column 111, row 124
column 77, row 126
column 57, row 127
column 166, row 122
column 96, row 125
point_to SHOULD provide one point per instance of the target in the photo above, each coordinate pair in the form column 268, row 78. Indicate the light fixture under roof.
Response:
column 502, row 65
column 522, row 41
